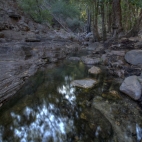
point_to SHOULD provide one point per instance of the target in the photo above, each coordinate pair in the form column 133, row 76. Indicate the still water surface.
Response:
column 49, row 109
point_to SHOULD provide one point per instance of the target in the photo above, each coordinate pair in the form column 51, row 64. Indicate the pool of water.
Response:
column 49, row 109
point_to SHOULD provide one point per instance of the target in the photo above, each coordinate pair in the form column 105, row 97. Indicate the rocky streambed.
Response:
column 102, row 111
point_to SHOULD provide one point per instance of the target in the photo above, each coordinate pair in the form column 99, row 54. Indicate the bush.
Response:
column 63, row 9
column 35, row 9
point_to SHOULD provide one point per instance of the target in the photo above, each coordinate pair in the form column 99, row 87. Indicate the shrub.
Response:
column 35, row 9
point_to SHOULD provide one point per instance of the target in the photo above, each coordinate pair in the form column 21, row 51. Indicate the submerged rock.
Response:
column 123, row 114
column 132, row 87
column 94, row 70
column 84, row 83
column 134, row 57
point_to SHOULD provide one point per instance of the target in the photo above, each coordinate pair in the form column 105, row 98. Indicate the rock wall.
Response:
column 20, row 60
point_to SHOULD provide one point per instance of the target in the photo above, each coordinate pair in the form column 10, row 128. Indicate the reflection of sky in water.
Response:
column 44, row 123
column 45, row 127
column 139, row 132
column 67, row 90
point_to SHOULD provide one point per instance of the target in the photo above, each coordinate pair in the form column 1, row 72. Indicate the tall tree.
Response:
column 117, row 18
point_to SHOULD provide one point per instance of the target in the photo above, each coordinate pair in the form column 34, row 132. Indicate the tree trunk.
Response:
column 109, row 17
column 88, row 21
column 103, row 22
column 136, row 27
column 95, row 22
column 117, row 18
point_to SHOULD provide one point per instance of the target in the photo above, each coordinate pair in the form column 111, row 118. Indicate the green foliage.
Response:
column 65, row 9
column 35, row 9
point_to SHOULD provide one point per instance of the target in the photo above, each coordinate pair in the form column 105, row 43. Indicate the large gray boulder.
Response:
column 84, row 83
column 134, row 57
column 132, row 87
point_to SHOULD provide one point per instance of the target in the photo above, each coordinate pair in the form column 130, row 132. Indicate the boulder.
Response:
column 94, row 70
column 84, row 83
column 138, row 44
column 132, row 87
column 90, row 60
column 74, row 58
column 134, row 57
column 117, row 53
column 95, row 46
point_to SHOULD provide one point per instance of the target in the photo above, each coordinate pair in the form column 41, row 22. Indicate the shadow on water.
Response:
column 49, row 109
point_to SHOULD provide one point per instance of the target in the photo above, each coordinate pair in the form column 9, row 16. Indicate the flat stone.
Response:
column 74, row 58
column 117, row 53
column 90, row 61
column 94, row 70
column 131, row 87
column 134, row 57
column 84, row 83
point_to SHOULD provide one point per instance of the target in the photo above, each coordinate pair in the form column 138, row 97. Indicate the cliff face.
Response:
column 25, row 46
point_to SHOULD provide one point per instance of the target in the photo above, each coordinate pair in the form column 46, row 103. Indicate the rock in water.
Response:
column 90, row 60
column 132, row 87
column 94, row 70
column 134, row 57
column 84, row 83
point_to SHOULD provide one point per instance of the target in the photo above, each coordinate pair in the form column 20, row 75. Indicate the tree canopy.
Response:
column 102, row 17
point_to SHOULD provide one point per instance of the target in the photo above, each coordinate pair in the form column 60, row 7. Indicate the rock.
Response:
column 123, row 114
column 14, row 15
column 84, row 83
column 95, row 46
column 132, row 87
column 32, row 39
column 134, row 57
column 117, row 53
column 74, row 58
column 140, row 34
column 89, row 35
column 1, row 35
column 94, row 70
column 23, row 26
column 140, row 79
column 90, row 61
column 104, row 58
column 53, row 60
column 138, row 44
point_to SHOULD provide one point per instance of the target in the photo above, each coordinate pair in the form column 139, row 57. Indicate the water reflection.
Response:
column 67, row 90
column 45, row 125
column 139, row 132
column 54, row 111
